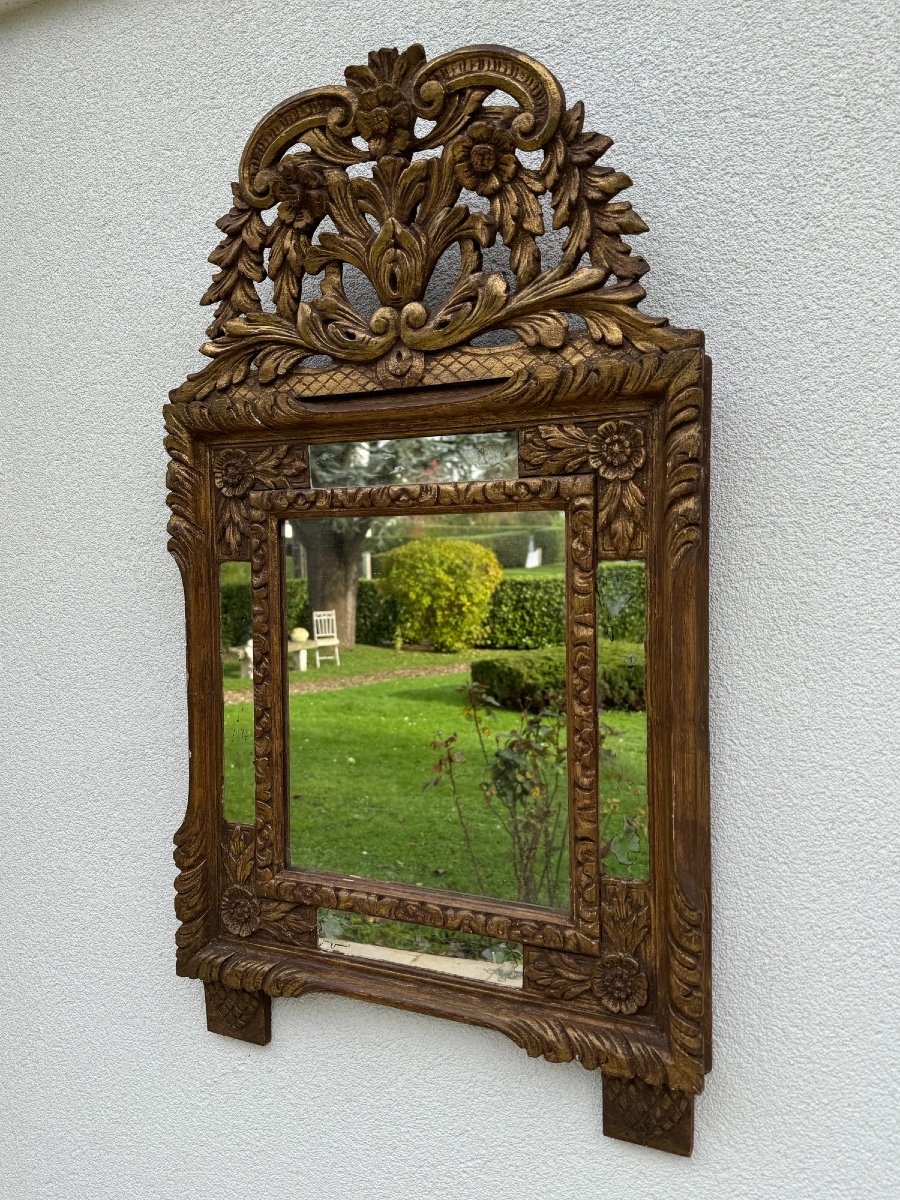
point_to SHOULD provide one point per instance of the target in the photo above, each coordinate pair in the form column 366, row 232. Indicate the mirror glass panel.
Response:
column 237, row 688
column 448, row 458
column 468, row 955
column 621, row 624
column 422, row 748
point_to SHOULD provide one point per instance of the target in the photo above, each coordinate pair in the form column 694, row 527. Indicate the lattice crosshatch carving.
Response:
column 429, row 248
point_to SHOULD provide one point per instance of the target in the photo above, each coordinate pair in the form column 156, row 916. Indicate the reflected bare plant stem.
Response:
column 520, row 789
column 444, row 766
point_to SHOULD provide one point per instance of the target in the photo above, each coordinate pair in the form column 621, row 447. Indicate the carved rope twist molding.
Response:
column 442, row 914
column 398, row 224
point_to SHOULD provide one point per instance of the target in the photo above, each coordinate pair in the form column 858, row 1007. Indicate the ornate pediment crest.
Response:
column 391, row 174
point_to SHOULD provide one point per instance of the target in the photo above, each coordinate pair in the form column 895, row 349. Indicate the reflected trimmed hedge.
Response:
column 525, row 614
column 535, row 677
column 510, row 544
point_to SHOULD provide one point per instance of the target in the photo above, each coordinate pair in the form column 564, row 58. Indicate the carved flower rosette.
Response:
column 616, row 450
column 616, row 982
column 243, row 914
column 236, row 472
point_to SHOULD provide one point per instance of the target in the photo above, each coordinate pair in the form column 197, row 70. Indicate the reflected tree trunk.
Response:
column 298, row 556
column 332, row 559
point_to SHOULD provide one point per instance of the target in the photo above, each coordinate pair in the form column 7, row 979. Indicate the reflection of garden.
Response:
column 360, row 756
column 394, row 776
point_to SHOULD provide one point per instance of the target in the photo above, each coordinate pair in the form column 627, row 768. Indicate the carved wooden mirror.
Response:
column 439, row 501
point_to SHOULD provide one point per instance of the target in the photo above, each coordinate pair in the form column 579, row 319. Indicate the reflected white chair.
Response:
column 325, row 634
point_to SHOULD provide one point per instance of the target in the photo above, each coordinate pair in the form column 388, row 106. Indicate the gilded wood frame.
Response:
column 614, row 419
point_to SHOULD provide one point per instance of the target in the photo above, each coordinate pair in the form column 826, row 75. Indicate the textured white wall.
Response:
column 760, row 139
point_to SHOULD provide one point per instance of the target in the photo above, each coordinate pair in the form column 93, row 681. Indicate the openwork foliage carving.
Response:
column 356, row 185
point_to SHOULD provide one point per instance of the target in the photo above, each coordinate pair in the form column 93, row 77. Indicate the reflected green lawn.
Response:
column 360, row 757
column 623, row 794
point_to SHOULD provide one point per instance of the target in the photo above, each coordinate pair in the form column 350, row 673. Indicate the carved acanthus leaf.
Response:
column 625, row 913
column 684, row 471
column 686, row 935
column 239, row 257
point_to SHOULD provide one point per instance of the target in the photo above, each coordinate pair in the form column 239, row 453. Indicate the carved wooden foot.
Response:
column 244, row 1015
column 634, row 1111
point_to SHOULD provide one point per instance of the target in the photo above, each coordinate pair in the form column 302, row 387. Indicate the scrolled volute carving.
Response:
column 464, row 182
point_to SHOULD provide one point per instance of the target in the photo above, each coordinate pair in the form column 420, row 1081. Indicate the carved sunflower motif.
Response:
column 616, row 450
column 234, row 473
column 486, row 159
column 240, row 911
column 385, row 118
column 620, row 985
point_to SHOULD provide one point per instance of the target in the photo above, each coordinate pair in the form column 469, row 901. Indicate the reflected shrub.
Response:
column 526, row 614
column 524, row 787
column 442, row 589
column 622, row 601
